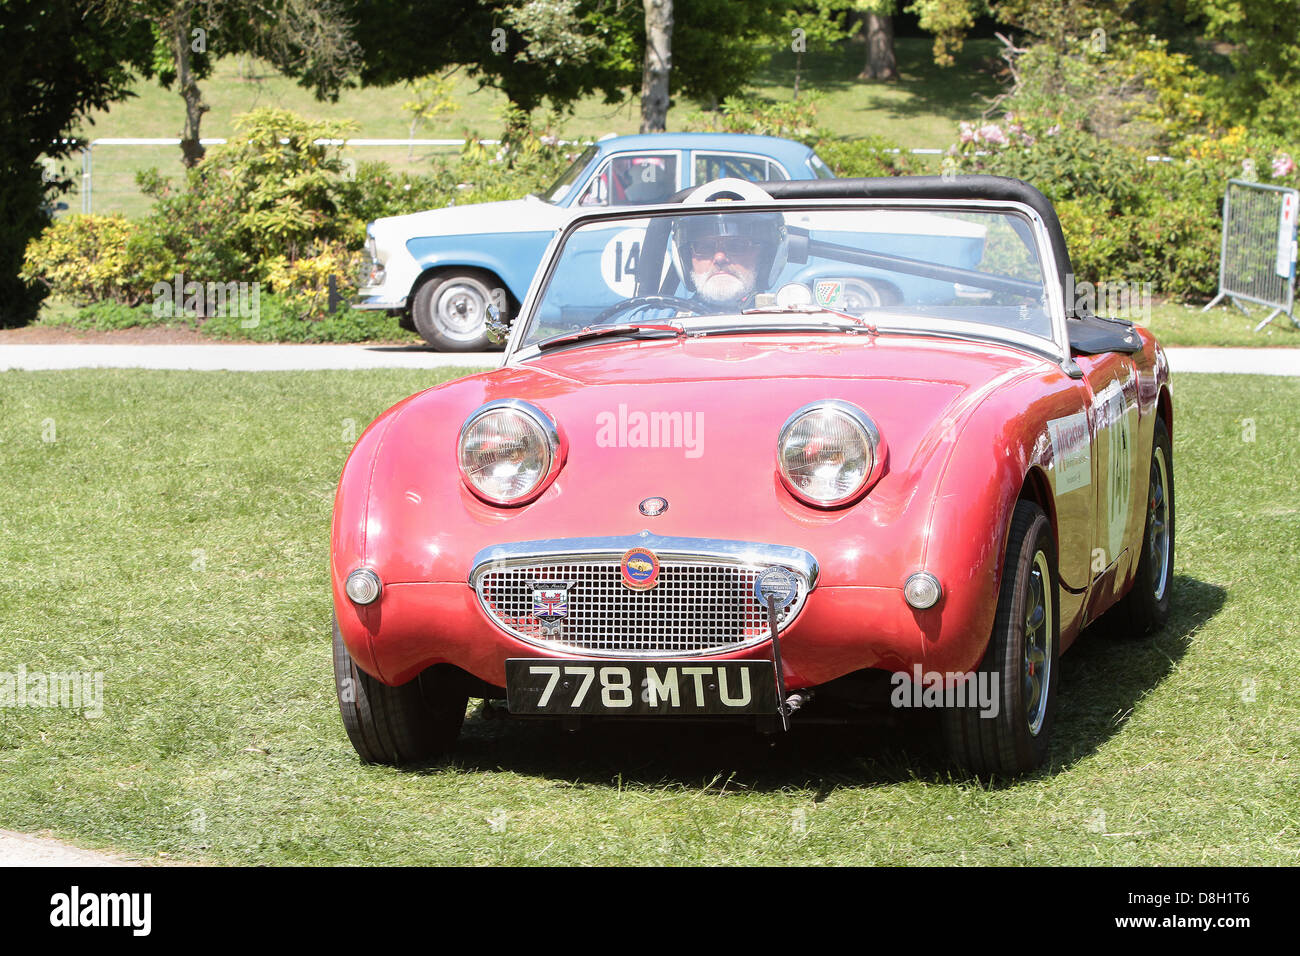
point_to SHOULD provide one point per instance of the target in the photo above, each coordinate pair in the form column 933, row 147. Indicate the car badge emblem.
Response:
column 550, row 605
column 653, row 507
column 829, row 293
column 640, row 569
column 780, row 583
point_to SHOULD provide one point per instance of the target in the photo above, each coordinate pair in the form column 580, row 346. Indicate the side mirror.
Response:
column 497, row 329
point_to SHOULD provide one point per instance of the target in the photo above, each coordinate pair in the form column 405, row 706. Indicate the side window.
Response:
column 711, row 166
column 819, row 167
column 633, row 180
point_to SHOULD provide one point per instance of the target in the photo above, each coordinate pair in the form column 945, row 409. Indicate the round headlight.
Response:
column 508, row 451
column 827, row 452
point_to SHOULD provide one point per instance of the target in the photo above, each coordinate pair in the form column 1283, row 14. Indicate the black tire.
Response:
column 1145, row 608
column 1016, row 739
column 450, row 310
column 416, row 721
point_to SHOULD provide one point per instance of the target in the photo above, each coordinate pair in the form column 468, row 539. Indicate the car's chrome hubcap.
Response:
column 1038, row 643
column 1158, row 523
column 460, row 309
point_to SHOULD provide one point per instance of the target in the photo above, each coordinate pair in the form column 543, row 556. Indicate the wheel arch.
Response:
column 1038, row 489
column 1165, row 409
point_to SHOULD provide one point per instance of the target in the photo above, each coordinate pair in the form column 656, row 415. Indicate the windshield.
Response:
column 952, row 269
column 560, row 188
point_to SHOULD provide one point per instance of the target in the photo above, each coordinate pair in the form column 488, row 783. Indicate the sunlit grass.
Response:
column 174, row 535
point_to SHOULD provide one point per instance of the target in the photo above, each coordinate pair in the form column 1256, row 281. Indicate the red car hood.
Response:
column 694, row 421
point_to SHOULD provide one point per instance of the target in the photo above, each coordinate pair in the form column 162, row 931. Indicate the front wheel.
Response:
column 1020, row 669
column 450, row 310
column 415, row 721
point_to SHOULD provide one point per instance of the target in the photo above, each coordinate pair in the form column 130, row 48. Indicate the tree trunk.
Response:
column 658, row 63
column 191, row 149
column 881, row 62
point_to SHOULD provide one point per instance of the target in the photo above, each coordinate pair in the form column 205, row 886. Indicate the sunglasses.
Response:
column 728, row 245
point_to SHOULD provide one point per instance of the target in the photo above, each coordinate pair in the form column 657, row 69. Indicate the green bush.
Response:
column 376, row 192
column 1128, row 219
column 871, row 156
column 254, row 199
column 108, row 316
column 792, row 119
column 98, row 258
column 278, row 321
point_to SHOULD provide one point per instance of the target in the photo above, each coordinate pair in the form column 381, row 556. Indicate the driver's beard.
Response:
column 724, row 287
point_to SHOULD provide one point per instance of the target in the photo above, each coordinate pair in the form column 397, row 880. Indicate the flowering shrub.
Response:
column 303, row 283
column 98, row 258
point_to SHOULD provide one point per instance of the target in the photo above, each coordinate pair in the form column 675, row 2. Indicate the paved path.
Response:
column 1242, row 361
column 269, row 358
column 19, row 849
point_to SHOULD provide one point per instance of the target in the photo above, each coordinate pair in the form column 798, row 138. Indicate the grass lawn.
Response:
column 921, row 110
column 1224, row 325
column 174, row 536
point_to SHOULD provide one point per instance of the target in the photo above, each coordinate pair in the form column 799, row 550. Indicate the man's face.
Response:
column 724, row 268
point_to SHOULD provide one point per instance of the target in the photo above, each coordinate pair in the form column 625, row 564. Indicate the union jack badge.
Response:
column 550, row 605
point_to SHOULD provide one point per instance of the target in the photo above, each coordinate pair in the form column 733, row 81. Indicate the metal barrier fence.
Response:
column 1258, row 257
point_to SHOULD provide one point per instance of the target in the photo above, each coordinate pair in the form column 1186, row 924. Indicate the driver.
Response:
column 725, row 258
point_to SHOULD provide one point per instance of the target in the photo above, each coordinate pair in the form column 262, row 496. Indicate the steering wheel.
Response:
column 642, row 303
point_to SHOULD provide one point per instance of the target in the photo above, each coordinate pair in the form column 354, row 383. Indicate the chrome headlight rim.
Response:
column 861, row 420
column 550, row 433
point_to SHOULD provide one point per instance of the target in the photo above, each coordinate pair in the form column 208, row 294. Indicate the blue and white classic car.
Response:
column 439, row 270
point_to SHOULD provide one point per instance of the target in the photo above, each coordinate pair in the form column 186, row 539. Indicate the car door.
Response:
column 634, row 179
column 1118, row 477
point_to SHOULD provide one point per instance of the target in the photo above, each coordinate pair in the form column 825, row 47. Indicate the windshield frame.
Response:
column 580, row 164
column 1057, row 349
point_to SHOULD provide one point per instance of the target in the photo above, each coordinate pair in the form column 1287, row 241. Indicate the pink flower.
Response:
column 967, row 132
column 992, row 133
column 1054, row 131
column 1283, row 165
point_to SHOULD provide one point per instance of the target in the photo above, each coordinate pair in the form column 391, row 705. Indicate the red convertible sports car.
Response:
column 759, row 452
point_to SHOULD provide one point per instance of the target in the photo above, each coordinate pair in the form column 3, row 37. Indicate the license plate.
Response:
column 640, row 688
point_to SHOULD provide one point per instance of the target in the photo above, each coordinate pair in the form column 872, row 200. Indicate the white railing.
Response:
column 88, row 147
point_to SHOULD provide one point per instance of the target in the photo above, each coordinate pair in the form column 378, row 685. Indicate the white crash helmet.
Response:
column 766, row 228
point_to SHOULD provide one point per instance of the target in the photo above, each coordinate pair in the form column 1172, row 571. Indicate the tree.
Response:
column 950, row 20
column 514, row 45
column 307, row 39
column 431, row 98
column 1264, row 86
column 658, row 63
column 878, row 31
column 815, row 25
column 59, row 61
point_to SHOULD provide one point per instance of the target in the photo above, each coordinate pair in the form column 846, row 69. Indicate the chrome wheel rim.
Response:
column 1036, row 673
column 1158, row 523
column 459, row 309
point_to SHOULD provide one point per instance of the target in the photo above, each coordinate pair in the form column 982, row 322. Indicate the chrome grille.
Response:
column 700, row 604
